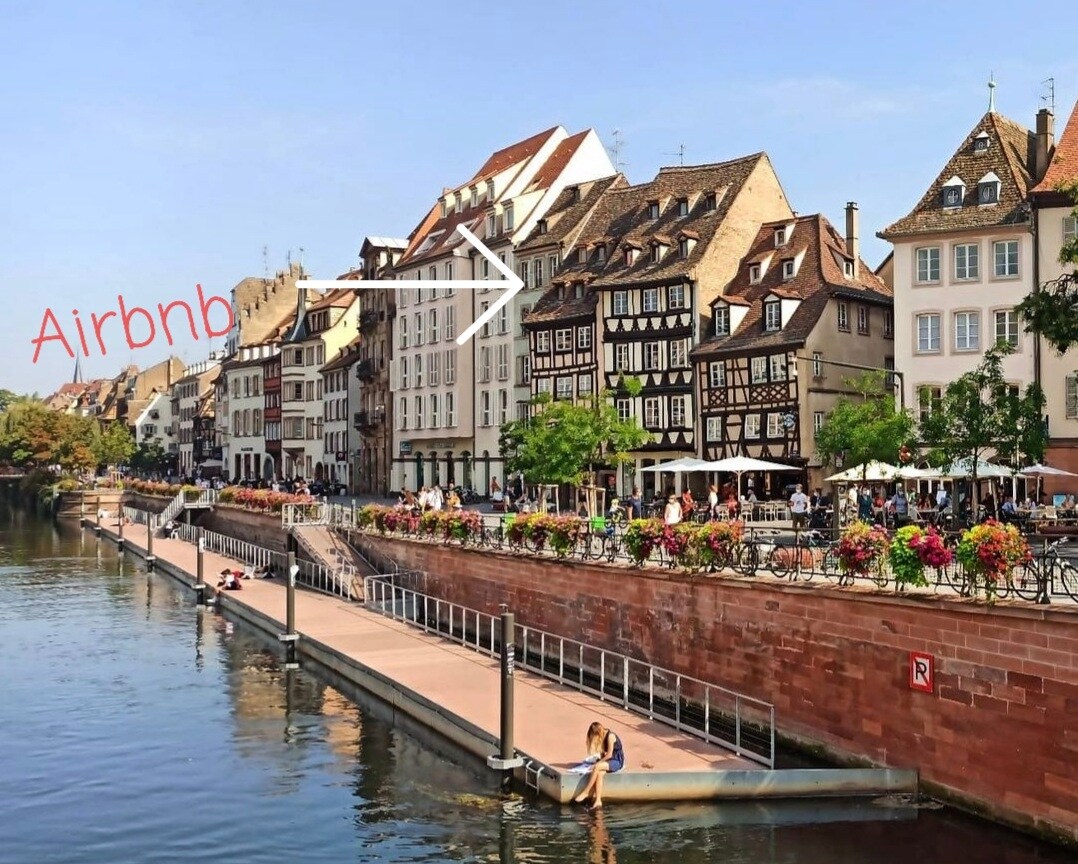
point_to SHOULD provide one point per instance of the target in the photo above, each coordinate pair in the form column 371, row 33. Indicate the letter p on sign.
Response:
column 921, row 671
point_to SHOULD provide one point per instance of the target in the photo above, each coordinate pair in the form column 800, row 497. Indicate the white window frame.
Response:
column 1070, row 228
column 622, row 358
column 969, row 269
column 484, row 408
column 434, row 368
column 776, row 365
column 503, row 362
column 679, row 354
column 722, row 319
column 417, row 329
column 1009, row 320
column 752, row 426
column 817, row 364
column 758, row 370
column 818, row 419
column 926, row 267
column 451, row 366
column 754, row 274
column 542, row 342
column 418, row 370
column 651, row 294
column 652, row 356
column 967, row 331
column 714, row 428
column 1011, row 250
column 678, row 412
column 563, row 340
column 774, row 425
column 624, row 408
column 843, row 316
column 563, row 387
column 652, row 412
column 675, row 297
column 584, row 384
column 934, row 322
column 449, row 327
column 772, row 315
column 432, row 326
column 402, row 340
column 620, row 303
column 789, row 269
column 716, row 374
column 583, row 338
column 432, row 407
column 1070, row 397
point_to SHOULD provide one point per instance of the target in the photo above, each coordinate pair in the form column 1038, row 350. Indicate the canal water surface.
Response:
column 135, row 727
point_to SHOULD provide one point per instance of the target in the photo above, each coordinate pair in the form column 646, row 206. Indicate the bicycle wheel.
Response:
column 1066, row 575
column 779, row 561
column 1025, row 582
column 746, row 558
column 611, row 547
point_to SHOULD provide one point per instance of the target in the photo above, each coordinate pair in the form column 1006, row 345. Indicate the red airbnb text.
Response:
column 175, row 314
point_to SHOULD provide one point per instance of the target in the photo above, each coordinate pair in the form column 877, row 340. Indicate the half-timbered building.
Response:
column 802, row 299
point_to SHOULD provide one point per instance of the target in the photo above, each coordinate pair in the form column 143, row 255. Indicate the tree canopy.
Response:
column 563, row 441
column 32, row 436
column 115, row 445
column 866, row 425
column 1052, row 309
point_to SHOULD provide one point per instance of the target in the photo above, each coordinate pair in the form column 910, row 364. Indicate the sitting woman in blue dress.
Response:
column 604, row 743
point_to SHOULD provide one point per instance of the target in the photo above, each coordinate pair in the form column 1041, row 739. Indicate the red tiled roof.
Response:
column 338, row 297
column 502, row 159
column 558, row 160
column 1064, row 165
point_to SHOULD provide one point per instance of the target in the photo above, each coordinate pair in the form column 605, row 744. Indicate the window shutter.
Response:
column 1072, row 397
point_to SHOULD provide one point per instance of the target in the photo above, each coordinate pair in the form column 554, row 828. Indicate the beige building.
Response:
column 188, row 394
column 963, row 259
column 1054, row 225
column 337, row 375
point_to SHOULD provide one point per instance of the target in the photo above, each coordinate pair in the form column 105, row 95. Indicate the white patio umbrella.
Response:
column 741, row 464
column 1039, row 470
column 686, row 463
column 962, row 468
column 874, row 471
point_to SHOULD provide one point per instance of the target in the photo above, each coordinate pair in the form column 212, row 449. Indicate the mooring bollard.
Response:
column 120, row 538
column 290, row 637
column 506, row 760
column 150, row 559
column 200, row 585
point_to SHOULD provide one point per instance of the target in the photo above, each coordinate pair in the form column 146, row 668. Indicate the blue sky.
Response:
column 151, row 146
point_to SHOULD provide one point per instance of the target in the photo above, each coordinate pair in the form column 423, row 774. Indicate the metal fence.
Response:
column 314, row 513
column 715, row 714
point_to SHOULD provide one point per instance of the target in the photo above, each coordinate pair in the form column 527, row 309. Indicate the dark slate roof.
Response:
column 1010, row 155
column 819, row 277
column 565, row 213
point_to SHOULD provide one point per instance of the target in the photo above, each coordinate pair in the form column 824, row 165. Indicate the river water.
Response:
column 135, row 727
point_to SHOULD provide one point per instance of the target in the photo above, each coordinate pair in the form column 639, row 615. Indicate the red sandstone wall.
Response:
column 1000, row 731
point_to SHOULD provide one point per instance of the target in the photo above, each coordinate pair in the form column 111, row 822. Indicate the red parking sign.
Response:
column 921, row 671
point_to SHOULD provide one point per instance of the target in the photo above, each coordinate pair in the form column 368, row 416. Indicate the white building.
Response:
column 963, row 259
column 196, row 383
column 450, row 401
column 337, row 430
column 153, row 425
column 240, row 419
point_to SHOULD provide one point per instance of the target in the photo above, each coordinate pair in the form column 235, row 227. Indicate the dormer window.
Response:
column 657, row 252
column 954, row 190
column 475, row 196
column 630, row 256
column 754, row 274
column 789, row 268
column 988, row 189
column 722, row 319
column 601, row 252
column 847, row 268
column 574, row 194
column 490, row 190
column 710, row 202
column 578, row 290
column 582, row 255
column 772, row 316
column 682, row 206
column 492, row 225
column 980, row 143
column 444, row 207
column 653, row 209
column 683, row 247
column 542, row 226
column 780, row 236
column 507, row 220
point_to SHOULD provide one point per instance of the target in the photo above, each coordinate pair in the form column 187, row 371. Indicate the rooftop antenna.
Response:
column 615, row 149
column 265, row 260
column 300, row 259
column 992, row 92
column 1050, row 96
column 680, row 155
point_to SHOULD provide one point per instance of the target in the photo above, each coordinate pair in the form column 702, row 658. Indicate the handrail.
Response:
column 310, row 513
column 716, row 714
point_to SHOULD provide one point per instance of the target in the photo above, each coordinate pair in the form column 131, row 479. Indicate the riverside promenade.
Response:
column 455, row 691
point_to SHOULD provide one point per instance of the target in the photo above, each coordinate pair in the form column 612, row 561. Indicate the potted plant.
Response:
column 641, row 538
column 989, row 552
column 717, row 541
column 563, row 533
column 861, row 550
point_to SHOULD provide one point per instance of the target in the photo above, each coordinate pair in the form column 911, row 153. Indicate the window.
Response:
column 484, row 408
column 710, row 202
column 988, row 190
column 928, row 264
column 503, row 407
column 503, row 319
column 888, row 324
column 404, row 332
column 679, row 354
column 584, row 385
column 600, row 253
column 542, row 385
column 484, row 268
column 817, row 364
column 621, row 302
column 492, row 229
column 402, row 412
column 651, row 412
column 583, row 338
column 542, row 342
column 403, row 367
column 657, row 252
column 651, row 356
column 777, row 365
column 621, row 358
column 1007, row 326
column 525, row 274
column 507, row 221
column 862, row 320
column 433, row 367
column 774, row 425
column 752, row 425
column 780, row 237
column 450, row 410
column 1071, row 397
column 683, row 247
column 563, row 339
column 817, row 421
column 759, row 370
column 651, row 299
column 928, row 333
column 847, row 269
column 677, row 412
column 722, row 319
column 714, row 428
column 653, row 209
column 717, row 374
column 772, row 315
column 980, row 143
column 582, row 255
column 1070, row 228
column 537, row 272
column 553, row 261
column 484, row 307
column 433, row 404
column 297, row 391
column 675, row 297
column 451, row 366
column 966, row 263
column 432, row 325
column 503, row 362
column 843, row 316
column 788, row 268
column 563, row 388
column 418, row 370
column 952, row 196
column 451, row 322
column 418, row 331
column 1006, row 255
column 682, row 206
column 526, row 369
column 484, row 363
column 630, row 256
column 929, row 400
column 754, row 274
column 624, row 407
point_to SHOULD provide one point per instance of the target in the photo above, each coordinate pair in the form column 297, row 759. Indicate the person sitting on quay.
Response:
column 169, row 529
column 230, row 580
column 265, row 571
column 604, row 743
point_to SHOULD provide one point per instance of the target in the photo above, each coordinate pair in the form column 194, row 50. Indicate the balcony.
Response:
column 369, row 419
column 369, row 320
column 365, row 370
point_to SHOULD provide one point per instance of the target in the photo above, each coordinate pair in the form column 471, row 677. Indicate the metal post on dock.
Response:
column 120, row 538
column 200, row 558
column 290, row 637
column 506, row 760
column 150, row 558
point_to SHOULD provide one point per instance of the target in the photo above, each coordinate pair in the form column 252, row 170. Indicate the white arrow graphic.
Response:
column 511, row 284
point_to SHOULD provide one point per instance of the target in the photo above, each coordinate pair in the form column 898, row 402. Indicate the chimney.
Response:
column 1046, row 139
column 853, row 245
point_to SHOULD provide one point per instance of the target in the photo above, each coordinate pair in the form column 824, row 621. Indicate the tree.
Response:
column 865, row 426
column 1052, row 309
column 32, row 436
column 981, row 415
column 115, row 445
column 149, row 457
column 564, row 441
